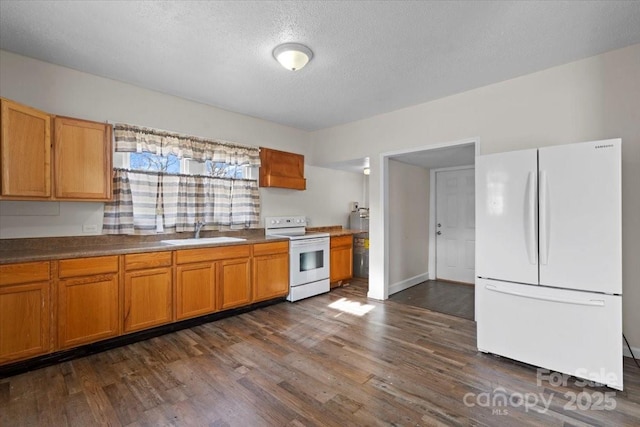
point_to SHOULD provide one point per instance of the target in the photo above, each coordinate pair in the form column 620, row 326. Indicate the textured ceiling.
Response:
column 369, row 57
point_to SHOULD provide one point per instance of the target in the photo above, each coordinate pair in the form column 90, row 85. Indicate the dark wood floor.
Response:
column 456, row 299
column 333, row 360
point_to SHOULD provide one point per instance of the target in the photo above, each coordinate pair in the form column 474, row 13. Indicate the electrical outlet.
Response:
column 89, row 228
column 354, row 206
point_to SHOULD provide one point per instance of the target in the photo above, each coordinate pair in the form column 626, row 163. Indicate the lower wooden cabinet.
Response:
column 91, row 299
column 270, row 270
column 148, row 290
column 235, row 283
column 341, row 263
column 24, row 311
column 212, row 279
column 88, row 308
column 195, row 290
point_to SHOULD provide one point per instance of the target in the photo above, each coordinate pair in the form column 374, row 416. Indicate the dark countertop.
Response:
column 336, row 230
column 55, row 248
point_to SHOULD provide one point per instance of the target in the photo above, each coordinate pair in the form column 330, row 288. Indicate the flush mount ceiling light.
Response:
column 292, row 56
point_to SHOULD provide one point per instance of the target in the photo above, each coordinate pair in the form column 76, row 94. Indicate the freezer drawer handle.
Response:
column 592, row 302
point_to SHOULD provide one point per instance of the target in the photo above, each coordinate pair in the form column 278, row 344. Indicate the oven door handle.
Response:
column 308, row 242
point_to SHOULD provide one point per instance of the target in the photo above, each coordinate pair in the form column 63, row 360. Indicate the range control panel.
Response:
column 271, row 222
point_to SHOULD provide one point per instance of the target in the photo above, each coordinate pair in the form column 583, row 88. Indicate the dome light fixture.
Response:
column 292, row 56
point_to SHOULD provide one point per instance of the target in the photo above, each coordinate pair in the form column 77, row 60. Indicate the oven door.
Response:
column 309, row 260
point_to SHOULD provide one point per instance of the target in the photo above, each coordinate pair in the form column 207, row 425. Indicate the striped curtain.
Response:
column 147, row 202
column 118, row 214
column 245, row 203
column 142, row 199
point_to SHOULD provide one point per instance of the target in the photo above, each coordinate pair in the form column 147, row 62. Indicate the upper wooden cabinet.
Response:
column 25, row 151
column 81, row 156
column 281, row 169
column 82, row 159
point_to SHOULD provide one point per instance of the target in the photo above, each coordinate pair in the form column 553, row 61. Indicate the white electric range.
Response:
column 308, row 255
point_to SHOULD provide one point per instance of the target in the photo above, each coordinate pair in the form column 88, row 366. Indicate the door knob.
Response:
column 439, row 233
column 439, row 225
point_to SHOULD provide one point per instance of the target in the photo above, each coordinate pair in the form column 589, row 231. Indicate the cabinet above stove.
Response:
column 281, row 169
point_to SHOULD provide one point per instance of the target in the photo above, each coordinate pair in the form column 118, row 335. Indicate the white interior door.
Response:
column 455, row 225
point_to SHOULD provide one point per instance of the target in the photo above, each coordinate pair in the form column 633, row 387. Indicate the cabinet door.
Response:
column 82, row 156
column 235, row 283
column 281, row 169
column 25, row 151
column 24, row 321
column 147, row 298
column 341, row 264
column 270, row 276
column 195, row 289
column 87, row 309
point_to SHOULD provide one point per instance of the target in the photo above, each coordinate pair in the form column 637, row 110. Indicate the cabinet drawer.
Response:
column 28, row 272
column 147, row 260
column 341, row 241
column 88, row 266
column 270, row 248
column 213, row 254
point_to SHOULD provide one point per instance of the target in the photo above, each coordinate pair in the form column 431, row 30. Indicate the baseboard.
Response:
column 407, row 283
column 627, row 353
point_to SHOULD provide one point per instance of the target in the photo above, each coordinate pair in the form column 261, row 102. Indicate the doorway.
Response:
column 437, row 158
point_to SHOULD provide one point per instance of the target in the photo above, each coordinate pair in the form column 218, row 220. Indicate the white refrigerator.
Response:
column 549, row 258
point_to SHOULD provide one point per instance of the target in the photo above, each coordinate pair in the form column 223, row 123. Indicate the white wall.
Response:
column 591, row 99
column 63, row 91
column 40, row 219
column 408, row 225
column 325, row 201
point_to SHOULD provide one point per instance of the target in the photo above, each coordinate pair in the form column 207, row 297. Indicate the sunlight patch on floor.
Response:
column 351, row 307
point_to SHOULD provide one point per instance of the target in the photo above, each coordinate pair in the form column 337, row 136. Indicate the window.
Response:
column 171, row 164
column 154, row 162
column 194, row 180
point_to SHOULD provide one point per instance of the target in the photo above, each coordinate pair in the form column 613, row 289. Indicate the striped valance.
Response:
column 129, row 138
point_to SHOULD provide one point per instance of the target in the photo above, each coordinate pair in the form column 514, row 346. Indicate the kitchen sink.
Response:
column 203, row 241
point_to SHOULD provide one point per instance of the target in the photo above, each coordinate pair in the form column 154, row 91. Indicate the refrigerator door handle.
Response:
column 591, row 302
column 530, row 221
column 544, row 218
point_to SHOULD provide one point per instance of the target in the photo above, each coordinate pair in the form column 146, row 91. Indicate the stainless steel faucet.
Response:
column 198, row 227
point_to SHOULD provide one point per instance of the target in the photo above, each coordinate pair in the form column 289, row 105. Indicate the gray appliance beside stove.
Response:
column 308, row 255
column 359, row 220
